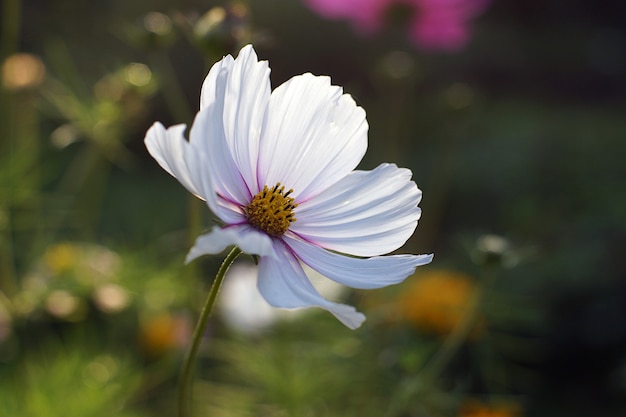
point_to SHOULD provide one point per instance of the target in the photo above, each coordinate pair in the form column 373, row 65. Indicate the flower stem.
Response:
column 186, row 380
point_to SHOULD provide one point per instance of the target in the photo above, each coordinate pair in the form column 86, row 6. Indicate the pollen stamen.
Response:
column 271, row 210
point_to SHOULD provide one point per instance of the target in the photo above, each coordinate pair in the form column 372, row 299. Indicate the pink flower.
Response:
column 433, row 24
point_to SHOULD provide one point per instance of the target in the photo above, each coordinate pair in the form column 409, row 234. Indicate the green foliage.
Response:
column 69, row 381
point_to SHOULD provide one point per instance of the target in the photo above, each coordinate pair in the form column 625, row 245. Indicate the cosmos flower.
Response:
column 278, row 169
column 432, row 24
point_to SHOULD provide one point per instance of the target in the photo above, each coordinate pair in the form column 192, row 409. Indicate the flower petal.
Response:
column 283, row 283
column 190, row 166
column 238, row 92
column 248, row 239
column 245, row 104
column 175, row 155
column 208, row 135
column 211, row 91
column 367, row 273
column 314, row 136
column 367, row 213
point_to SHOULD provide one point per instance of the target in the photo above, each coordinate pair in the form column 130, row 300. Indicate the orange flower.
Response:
column 436, row 301
column 163, row 333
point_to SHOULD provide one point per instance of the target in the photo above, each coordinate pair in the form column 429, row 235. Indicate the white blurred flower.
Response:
column 244, row 309
column 111, row 298
column 241, row 305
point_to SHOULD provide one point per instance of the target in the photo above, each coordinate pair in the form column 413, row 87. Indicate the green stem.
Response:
column 184, row 393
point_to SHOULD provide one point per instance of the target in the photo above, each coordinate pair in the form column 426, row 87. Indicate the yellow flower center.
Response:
column 271, row 210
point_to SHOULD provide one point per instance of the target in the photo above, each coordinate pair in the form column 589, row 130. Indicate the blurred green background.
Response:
column 518, row 142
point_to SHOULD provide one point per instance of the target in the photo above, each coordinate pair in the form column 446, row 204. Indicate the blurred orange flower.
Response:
column 163, row 333
column 436, row 301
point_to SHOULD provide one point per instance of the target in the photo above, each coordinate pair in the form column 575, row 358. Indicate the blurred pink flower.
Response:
column 433, row 24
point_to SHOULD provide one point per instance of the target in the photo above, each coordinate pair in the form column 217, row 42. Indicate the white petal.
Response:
column 209, row 93
column 283, row 283
column 207, row 135
column 314, row 136
column 246, row 237
column 176, row 156
column 189, row 166
column 367, row 213
column 245, row 103
column 235, row 93
column 367, row 273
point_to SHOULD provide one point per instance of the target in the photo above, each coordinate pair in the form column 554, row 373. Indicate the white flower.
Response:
column 241, row 305
column 278, row 169
column 246, row 311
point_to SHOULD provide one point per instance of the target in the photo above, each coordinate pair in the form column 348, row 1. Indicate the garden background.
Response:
column 517, row 140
